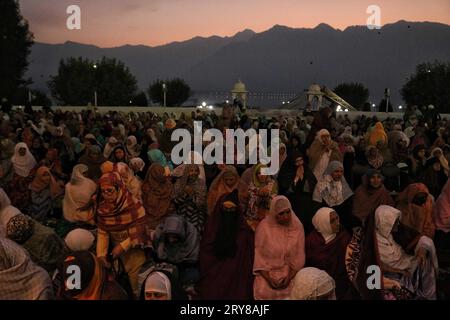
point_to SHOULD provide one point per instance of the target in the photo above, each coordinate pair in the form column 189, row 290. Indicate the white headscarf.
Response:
column 311, row 284
column 333, row 192
column 158, row 282
column 79, row 240
column 23, row 165
column 391, row 253
column 78, row 193
column 321, row 222
column 137, row 163
column 109, row 147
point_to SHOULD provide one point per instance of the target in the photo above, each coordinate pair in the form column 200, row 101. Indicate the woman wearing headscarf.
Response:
column 417, row 161
column 398, row 145
column 138, row 166
column 417, row 272
column 95, row 283
column 93, row 159
column 322, row 151
column 21, row 278
column 325, row 249
column 177, row 241
column 37, row 149
column 109, row 147
column 260, row 192
column 79, row 192
column 279, row 252
column 224, row 183
column 333, row 191
column 370, row 195
column 45, row 247
column 155, row 155
column 24, row 168
column 441, row 218
column 416, row 206
column 44, row 190
column 377, row 134
column 157, row 191
column 52, row 162
column 227, row 245
column 80, row 240
column 121, row 221
column 434, row 177
column 132, row 147
column 133, row 183
column 161, row 283
column 189, row 197
column 297, row 182
column 313, row 284
column 118, row 154
column 439, row 154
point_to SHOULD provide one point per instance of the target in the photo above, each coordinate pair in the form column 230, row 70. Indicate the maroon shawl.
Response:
column 330, row 257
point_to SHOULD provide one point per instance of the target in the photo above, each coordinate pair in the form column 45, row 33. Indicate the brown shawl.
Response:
column 367, row 199
column 420, row 218
column 156, row 194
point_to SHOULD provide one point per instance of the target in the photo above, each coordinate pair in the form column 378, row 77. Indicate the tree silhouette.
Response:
column 78, row 79
column 429, row 85
column 177, row 92
column 354, row 93
column 15, row 46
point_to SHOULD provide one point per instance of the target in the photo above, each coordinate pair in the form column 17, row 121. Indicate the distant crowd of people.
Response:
column 100, row 191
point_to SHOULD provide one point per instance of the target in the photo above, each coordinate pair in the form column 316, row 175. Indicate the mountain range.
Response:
column 281, row 59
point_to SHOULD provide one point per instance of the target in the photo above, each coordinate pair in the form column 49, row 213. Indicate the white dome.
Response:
column 239, row 87
column 315, row 89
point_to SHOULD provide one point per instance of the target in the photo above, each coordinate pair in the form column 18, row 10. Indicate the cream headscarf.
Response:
column 23, row 165
column 158, row 282
column 321, row 222
column 78, row 193
column 391, row 253
column 311, row 284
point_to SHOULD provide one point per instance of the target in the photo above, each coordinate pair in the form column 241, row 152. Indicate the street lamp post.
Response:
column 387, row 94
column 95, row 90
column 164, row 93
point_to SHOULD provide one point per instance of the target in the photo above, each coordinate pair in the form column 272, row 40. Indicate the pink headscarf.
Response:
column 441, row 213
column 278, row 248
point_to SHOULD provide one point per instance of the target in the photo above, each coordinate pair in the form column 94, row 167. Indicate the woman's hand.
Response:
column 117, row 251
column 104, row 261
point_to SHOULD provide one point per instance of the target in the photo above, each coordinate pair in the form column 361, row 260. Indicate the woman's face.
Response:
column 85, row 174
column 295, row 142
column 284, row 217
column 22, row 152
column 46, row 177
column 36, row 143
column 120, row 155
column 334, row 222
column 109, row 193
column 375, row 181
column 172, row 238
column 337, row 174
column 437, row 166
column 193, row 172
column 159, row 296
column 229, row 180
column 261, row 178
column 129, row 142
column 326, row 139
column 299, row 162
column 437, row 154
column 421, row 154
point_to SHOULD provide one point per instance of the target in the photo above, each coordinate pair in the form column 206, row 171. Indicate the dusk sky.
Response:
column 110, row 23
